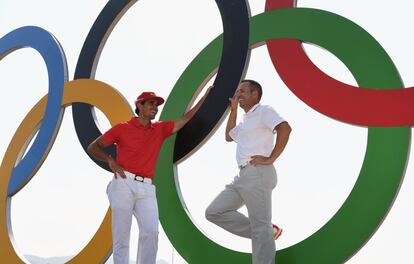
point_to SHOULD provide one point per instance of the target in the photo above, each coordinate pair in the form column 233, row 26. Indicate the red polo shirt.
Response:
column 138, row 146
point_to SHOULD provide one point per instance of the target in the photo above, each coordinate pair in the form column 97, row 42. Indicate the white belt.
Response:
column 137, row 177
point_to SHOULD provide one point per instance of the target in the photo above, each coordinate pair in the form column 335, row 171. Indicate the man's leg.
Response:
column 223, row 212
column 146, row 213
column 255, row 187
column 122, row 201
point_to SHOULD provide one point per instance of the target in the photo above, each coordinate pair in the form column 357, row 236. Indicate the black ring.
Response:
column 235, row 17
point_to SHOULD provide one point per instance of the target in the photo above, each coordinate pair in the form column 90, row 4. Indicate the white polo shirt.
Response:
column 255, row 134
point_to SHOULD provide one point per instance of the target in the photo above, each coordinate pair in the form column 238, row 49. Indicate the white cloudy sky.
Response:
column 59, row 210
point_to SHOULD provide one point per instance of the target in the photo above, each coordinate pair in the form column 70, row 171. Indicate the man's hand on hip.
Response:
column 118, row 170
column 262, row 160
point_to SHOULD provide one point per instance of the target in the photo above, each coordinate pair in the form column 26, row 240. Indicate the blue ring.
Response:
column 54, row 57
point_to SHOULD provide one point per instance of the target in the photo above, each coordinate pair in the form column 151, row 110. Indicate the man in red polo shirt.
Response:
column 131, row 192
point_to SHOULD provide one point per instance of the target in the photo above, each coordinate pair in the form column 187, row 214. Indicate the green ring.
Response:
column 382, row 170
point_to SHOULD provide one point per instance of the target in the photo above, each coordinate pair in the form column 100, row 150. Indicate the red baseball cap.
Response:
column 149, row 96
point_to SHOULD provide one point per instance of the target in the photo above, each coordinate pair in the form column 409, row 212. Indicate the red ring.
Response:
column 347, row 103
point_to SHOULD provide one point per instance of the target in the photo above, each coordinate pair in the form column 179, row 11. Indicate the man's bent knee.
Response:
column 212, row 214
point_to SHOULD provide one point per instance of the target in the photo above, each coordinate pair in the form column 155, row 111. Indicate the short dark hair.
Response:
column 254, row 86
column 136, row 108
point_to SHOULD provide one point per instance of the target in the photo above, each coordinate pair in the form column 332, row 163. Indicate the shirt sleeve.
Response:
column 167, row 128
column 234, row 133
column 271, row 118
column 112, row 136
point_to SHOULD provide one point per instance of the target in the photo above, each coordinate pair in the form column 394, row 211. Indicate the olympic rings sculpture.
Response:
column 373, row 105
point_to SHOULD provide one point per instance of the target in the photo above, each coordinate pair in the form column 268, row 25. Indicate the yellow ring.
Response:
column 115, row 108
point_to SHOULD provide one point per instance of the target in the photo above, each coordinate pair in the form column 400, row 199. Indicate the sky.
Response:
column 57, row 213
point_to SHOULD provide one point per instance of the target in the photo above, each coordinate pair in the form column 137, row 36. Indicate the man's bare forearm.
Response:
column 97, row 150
column 180, row 123
column 283, row 133
column 231, row 123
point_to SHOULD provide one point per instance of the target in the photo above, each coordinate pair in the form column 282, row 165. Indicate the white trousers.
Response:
column 128, row 197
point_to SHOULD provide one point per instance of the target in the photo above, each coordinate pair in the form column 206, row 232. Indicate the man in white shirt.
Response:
column 256, row 153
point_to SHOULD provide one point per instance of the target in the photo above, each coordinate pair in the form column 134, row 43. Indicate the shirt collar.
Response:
column 253, row 109
column 134, row 122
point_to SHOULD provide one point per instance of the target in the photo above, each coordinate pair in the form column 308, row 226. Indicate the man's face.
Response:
column 148, row 109
column 244, row 96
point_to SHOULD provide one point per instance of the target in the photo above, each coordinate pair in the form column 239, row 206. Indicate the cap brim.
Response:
column 159, row 100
